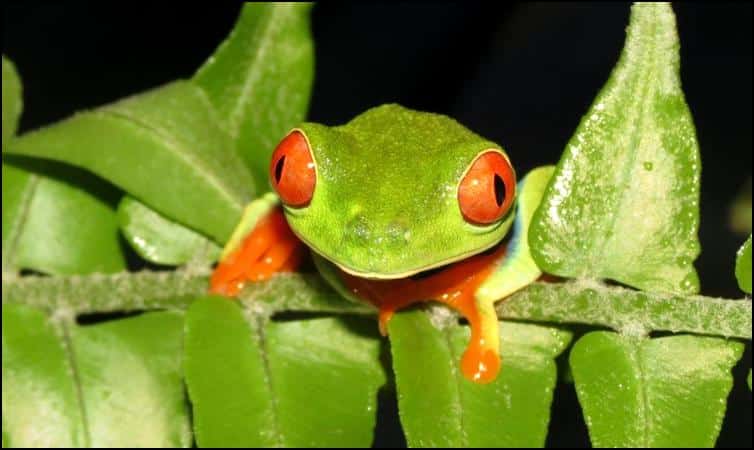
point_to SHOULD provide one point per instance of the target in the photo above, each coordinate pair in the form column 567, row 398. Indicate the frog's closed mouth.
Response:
column 393, row 194
column 374, row 273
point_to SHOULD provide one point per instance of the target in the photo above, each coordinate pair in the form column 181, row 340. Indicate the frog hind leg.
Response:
column 261, row 245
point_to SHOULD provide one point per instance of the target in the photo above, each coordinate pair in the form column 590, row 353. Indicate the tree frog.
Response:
column 397, row 206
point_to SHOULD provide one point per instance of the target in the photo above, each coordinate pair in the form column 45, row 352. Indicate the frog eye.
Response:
column 488, row 188
column 292, row 170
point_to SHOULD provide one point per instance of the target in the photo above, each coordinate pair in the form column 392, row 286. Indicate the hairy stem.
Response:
column 576, row 301
column 629, row 311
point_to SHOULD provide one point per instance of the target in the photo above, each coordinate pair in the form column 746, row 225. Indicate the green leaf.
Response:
column 160, row 240
column 326, row 361
column 41, row 404
column 260, row 79
column 623, row 203
column 165, row 147
column 131, row 381
column 42, row 203
column 58, row 219
column 743, row 266
column 306, row 383
column 440, row 408
column 12, row 101
column 665, row 392
column 116, row 384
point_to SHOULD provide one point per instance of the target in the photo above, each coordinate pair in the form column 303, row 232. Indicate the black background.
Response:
column 519, row 74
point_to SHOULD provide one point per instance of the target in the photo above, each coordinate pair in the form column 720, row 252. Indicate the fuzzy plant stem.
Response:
column 575, row 301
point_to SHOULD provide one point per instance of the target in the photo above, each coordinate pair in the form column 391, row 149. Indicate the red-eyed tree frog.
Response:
column 398, row 206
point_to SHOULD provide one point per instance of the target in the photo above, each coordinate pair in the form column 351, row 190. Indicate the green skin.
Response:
column 385, row 204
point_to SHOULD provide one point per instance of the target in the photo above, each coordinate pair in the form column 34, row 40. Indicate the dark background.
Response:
column 519, row 74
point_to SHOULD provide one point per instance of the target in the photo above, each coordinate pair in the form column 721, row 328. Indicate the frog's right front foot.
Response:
column 269, row 248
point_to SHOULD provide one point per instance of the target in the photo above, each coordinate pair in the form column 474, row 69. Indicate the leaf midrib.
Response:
column 18, row 225
column 258, row 325
column 457, row 385
column 636, row 130
column 252, row 75
column 636, row 356
column 175, row 148
column 64, row 329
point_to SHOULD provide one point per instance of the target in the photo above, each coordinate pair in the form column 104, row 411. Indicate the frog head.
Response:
column 394, row 192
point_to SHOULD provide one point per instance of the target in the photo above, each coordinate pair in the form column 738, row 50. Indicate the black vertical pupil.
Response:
column 499, row 190
column 279, row 169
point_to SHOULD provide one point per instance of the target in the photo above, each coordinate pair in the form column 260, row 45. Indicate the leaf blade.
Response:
column 41, row 406
column 237, row 359
column 260, row 79
column 165, row 147
column 339, row 359
column 42, row 227
column 438, row 407
column 148, row 349
column 623, row 203
column 12, row 100
column 743, row 266
column 671, row 390
column 253, row 384
column 64, row 383
column 160, row 240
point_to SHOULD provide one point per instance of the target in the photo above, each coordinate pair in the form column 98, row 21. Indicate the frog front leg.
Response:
column 262, row 244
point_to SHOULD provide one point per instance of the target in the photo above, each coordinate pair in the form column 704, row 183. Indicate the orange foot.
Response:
column 455, row 287
column 270, row 247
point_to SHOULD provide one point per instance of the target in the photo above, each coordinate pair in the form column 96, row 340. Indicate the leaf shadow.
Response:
column 70, row 175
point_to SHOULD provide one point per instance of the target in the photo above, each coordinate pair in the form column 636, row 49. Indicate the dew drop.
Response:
column 648, row 165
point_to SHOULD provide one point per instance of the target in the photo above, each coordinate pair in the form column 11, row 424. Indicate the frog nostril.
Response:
column 358, row 228
column 398, row 232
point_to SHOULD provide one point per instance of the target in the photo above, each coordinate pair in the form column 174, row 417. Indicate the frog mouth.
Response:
column 371, row 273
column 419, row 272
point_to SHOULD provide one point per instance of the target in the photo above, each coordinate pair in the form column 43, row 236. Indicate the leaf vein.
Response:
column 247, row 89
column 259, row 334
column 16, row 229
column 71, row 355
column 176, row 148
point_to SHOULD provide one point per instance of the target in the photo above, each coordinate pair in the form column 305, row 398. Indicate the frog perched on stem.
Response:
column 398, row 206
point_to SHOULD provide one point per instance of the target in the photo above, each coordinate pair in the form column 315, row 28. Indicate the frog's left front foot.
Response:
column 270, row 247
column 456, row 287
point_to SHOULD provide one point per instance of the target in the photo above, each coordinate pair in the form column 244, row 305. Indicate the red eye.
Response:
column 487, row 190
column 292, row 170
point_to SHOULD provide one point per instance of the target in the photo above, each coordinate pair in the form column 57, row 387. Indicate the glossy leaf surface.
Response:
column 440, row 408
column 160, row 240
column 623, row 203
column 743, row 266
column 115, row 384
column 260, row 79
column 12, row 100
column 300, row 383
column 664, row 392
column 165, row 147
column 41, row 403
column 42, row 205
